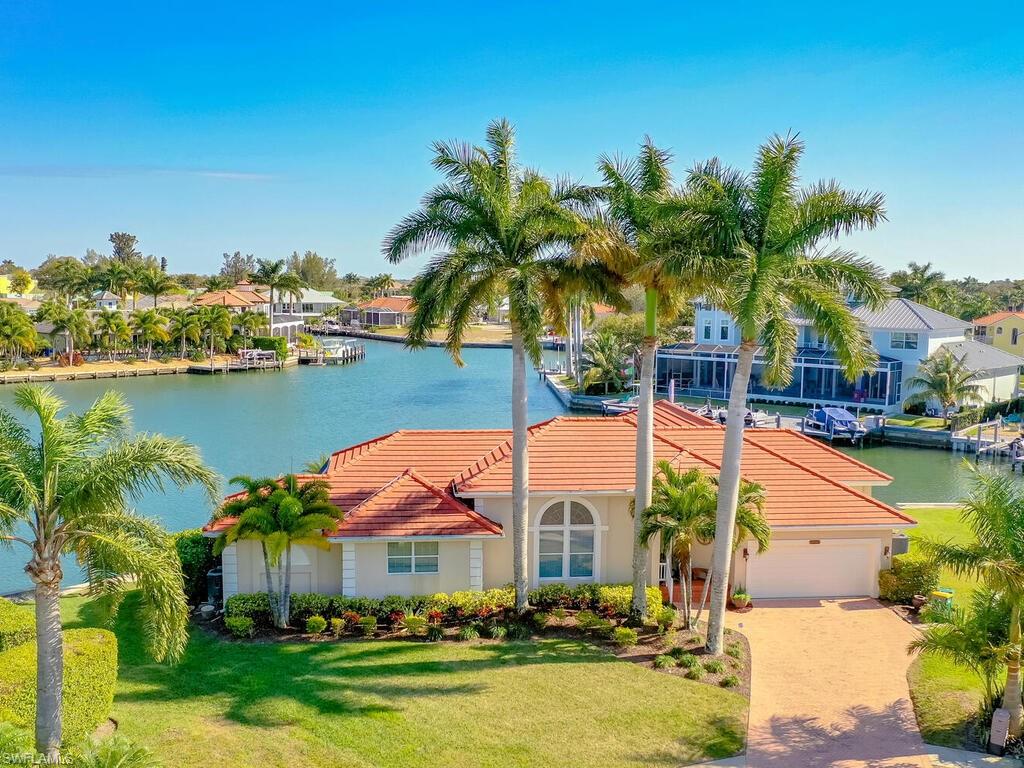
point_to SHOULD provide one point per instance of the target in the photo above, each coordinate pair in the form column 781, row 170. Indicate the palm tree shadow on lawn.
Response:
column 350, row 679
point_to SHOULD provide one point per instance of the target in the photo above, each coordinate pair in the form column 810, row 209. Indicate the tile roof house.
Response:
column 1003, row 330
column 431, row 511
column 387, row 311
column 903, row 333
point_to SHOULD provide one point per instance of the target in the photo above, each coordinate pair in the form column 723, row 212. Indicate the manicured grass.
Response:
column 921, row 422
column 946, row 699
column 400, row 703
column 944, row 524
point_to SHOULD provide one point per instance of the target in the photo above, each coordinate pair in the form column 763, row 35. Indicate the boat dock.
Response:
column 69, row 374
column 333, row 354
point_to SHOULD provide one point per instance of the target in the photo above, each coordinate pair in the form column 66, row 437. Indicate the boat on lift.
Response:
column 832, row 422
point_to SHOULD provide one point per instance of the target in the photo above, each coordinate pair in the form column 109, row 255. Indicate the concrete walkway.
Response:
column 829, row 688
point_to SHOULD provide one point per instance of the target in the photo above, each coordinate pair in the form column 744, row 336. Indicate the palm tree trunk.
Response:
column 728, row 494
column 270, row 310
column 1012, row 694
column 182, row 346
column 703, row 598
column 644, row 458
column 570, row 347
column 520, row 470
column 49, row 656
column 271, row 593
column 286, row 601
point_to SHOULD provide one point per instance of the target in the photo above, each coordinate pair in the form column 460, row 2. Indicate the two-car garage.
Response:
column 826, row 567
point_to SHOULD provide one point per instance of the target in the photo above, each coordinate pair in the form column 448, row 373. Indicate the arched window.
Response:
column 566, row 534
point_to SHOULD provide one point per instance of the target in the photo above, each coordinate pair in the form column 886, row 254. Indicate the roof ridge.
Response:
column 373, row 441
column 500, row 453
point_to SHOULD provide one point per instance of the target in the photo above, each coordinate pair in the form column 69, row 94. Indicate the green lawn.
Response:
column 401, row 703
column 944, row 524
column 946, row 696
column 921, row 422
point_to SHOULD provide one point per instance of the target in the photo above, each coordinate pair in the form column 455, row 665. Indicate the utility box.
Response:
column 215, row 586
column 1000, row 730
column 900, row 544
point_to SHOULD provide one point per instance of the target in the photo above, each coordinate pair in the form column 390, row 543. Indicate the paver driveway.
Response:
column 829, row 686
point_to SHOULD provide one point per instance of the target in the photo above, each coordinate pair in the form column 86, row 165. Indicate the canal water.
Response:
column 276, row 422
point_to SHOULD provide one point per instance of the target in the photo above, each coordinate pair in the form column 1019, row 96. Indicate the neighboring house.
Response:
column 1004, row 330
column 903, row 333
column 105, row 300
column 431, row 511
column 309, row 305
column 246, row 298
column 5, row 286
column 26, row 305
column 387, row 311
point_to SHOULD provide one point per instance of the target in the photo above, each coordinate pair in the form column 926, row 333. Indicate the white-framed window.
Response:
column 307, row 308
column 566, row 536
column 405, row 557
column 723, row 331
column 902, row 340
column 707, row 330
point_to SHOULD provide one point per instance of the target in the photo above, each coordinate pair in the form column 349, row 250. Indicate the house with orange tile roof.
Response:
column 386, row 311
column 431, row 511
column 1003, row 330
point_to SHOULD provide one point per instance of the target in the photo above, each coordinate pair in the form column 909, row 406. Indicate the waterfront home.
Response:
column 431, row 511
column 384, row 311
column 309, row 304
column 903, row 332
column 1003, row 330
column 246, row 297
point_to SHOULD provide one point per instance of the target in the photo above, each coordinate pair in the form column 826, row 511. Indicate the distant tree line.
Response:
column 967, row 298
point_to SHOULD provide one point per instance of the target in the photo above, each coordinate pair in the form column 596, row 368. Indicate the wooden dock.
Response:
column 338, row 355
column 70, row 374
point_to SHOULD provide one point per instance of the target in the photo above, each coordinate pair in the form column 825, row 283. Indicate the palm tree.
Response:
column 156, row 283
column 945, row 378
column 112, row 327
column 500, row 226
column 919, row 282
column 290, row 284
column 682, row 511
column 217, row 283
column 215, row 322
column 771, row 234
column 269, row 273
column 17, row 332
column 185, row 327
column 150, row 325
column 280, row 514
column 641, row 225
column 994, row 511
column 73, row 324
column 384, row 283
column 607, row 357
column 66, row 487
column 250, row 321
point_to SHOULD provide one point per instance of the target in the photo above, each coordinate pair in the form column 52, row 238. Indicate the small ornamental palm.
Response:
column 994, row 511
column 150, row 326
column 113, row 328
column 945, row 378
column 279, row 514
column 607, row 356
column 17, row 332
column 185, row 327
column 772, row 234
column 65, row 488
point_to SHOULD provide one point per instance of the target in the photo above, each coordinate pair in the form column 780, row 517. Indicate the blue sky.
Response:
column 226, row 126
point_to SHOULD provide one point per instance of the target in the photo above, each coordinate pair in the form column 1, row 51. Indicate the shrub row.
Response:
column 90, row 674
column 610, row 599
column 195, row 552
column 971, row 416
column 909, row 575
column 277, row 344
column 607, row 599
column 17, row 625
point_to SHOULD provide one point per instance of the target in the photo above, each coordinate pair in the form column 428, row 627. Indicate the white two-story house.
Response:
column 903, row 333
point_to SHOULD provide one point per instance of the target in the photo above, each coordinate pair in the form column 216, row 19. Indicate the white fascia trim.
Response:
column 544, row 494
column 425, row 537
column 872, row 483
column 875, row 527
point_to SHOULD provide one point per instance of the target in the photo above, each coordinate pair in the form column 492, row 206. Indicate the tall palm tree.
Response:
column 269, row 273
column 280, row 514
column 290, row 284
column 73, row 324
column 150, row 326
column 772, row 233
column 217, row 283
column 994, row 511
column 642, row 224
column 249, row 321
column 500, row 227
column 156, row 283
column 185, row 327
column 919, row 282
column 682, row 511
column 112, row 328
column 215, row 322
column 68, row 485
column 945, row 378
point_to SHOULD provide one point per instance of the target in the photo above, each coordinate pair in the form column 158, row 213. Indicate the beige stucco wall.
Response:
column 313, row 569
column 614, row 540
column 373, row 579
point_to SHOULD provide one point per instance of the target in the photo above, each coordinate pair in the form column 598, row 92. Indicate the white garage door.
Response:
column 816, row 568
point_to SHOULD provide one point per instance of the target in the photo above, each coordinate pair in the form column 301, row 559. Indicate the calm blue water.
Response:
column 275, row 422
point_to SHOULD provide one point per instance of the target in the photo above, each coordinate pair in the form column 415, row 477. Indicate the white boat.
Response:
column 833, row 422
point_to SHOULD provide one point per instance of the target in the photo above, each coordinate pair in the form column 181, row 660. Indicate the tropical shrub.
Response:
column 620, row 596
column 517, row 630
column 90, row 674
column 414, row 624
column 560, row 614
column 306, row 604
column 278, row 344
column 909, row 575
column 666, row 618
column 368, row 625
column 624, row 637
column 195, row 552
column 117, row 751
column 240, row 626
column 687, row 660
column 255, row 606
column 715, row 666
column 435, row 632
column 662, row 660
column 695, row 672
column 586, row 619
column 729, row 681
column 350, row 618
column 735, row 650
column 17, row 625
column 541, row 619
column 497, row 631
column 315, row 625
column 337, row 626
column 14, row 741
column 551, row 596
column 468, row 632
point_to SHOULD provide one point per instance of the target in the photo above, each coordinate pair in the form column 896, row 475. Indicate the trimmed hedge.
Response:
column 613, row 598
column 17, row 625
column 909, row 575
column 195, row 552
column 277, row 344
column 90, row 675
